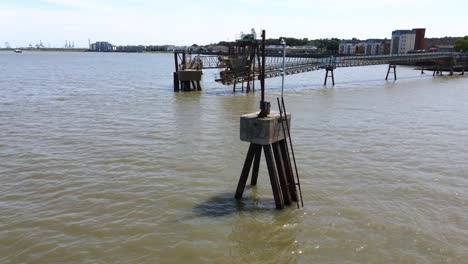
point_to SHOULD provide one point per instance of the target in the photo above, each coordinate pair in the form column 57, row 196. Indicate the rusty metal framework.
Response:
column 243, row 64
column 293, row 65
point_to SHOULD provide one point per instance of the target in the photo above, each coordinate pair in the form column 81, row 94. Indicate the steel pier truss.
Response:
column 244, row 63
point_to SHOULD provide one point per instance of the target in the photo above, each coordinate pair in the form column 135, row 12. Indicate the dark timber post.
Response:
column 185, row 84
column 184, row 60
column 391, row 66
column 256, row 165
column 245, row 170
column 176, row 75
column 280, row 166
column 280, row 185
column 277, row 194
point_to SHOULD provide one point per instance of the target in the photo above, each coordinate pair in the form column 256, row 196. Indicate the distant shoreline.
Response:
column 46, row 49
column 75, row 50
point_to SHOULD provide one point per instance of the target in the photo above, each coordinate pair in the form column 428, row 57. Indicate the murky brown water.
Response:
column 100, row 162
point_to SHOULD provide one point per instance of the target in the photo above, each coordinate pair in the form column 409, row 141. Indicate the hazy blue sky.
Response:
column 185, row 22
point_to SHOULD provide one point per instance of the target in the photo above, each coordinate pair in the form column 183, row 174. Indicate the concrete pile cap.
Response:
column 263, row 131
column 189, row 75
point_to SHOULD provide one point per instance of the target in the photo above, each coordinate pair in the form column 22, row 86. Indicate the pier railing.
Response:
column 295, row 65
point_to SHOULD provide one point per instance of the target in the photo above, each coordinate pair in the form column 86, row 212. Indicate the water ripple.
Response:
column 101, row 162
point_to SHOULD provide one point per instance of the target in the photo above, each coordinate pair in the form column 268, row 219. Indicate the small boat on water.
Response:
column 18, row 51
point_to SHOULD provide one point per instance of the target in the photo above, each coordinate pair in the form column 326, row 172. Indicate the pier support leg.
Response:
column 186, row 86
column 333, row 77
column 245, row 171
column 176, row 82
column 176, row 75
column 184, row 60
column 437, row 71
column 279, row 202
column 280, row 167
column 289, row 170
column 463, row 71
column 279, row 170
column 256, row 165
column 329, row 69
column 391, row 66
column 277, row 186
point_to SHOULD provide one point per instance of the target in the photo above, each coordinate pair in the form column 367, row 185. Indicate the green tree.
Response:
column 461, row 44
column 328, row 46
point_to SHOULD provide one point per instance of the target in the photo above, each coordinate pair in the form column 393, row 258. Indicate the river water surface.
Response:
column 101, row 162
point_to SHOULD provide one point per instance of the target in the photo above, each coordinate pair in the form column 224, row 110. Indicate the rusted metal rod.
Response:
column 284, row 133
column 262, row 80
column 294, row 157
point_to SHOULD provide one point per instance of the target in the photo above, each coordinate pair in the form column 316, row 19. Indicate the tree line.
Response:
column 325, row 46
column 461, row 44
